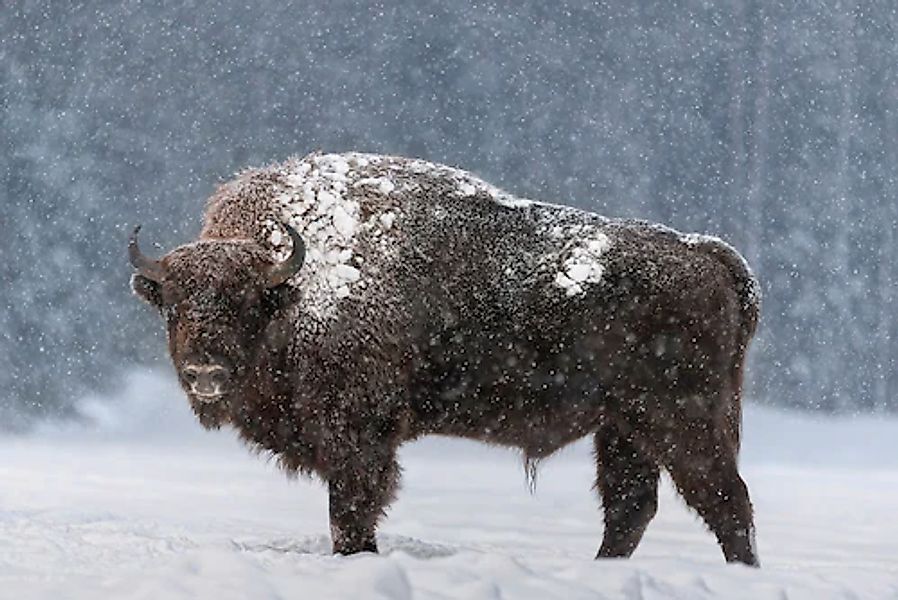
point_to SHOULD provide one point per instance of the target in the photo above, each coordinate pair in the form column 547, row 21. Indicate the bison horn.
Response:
column 281, row 272
column 147, row 267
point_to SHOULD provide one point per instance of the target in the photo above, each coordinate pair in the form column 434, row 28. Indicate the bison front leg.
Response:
column 359, row 492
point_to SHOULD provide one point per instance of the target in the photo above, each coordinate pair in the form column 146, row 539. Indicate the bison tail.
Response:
column 748, row 290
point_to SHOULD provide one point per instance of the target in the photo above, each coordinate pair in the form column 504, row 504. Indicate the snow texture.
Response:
column 348, row 208
column 584, row 263
column 140, row 503
column 323, row 197
column 315, row 202
column 769, row 123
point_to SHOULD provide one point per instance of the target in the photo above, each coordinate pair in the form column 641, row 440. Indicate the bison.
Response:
column 336, row 306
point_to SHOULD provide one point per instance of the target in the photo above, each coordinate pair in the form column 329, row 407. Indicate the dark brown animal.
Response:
column 337, row 306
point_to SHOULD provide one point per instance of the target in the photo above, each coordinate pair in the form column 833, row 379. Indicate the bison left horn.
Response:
column 281, row 272
column 147, row 267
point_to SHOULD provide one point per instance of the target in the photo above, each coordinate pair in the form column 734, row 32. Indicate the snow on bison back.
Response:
column 338, row 305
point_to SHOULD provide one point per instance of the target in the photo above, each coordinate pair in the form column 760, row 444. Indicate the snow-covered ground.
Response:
column 141, row 503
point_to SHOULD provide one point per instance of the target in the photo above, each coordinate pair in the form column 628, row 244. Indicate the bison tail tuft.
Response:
column 531, row 471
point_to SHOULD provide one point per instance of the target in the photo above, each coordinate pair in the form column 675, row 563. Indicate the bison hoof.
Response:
column 347, row 549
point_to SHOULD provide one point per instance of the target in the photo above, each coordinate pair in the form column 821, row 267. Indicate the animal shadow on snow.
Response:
column 321, row 545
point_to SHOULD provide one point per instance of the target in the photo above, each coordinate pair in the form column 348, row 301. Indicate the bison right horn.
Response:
column 147, row 267
column 281, row 272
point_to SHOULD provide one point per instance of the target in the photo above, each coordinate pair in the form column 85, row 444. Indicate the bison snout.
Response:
column 206, row 382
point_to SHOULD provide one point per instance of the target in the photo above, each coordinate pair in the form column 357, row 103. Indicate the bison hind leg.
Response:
column 627, row 481
column 703, row 468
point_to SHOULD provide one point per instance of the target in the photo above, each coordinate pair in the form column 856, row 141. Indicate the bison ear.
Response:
column 147, row 289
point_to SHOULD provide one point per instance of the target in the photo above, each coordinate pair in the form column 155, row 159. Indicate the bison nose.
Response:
column 207, row 382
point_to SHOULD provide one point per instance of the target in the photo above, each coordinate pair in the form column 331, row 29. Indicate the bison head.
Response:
column 219, row 298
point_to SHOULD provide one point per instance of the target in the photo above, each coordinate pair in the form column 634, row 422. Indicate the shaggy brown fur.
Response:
column 432, row 303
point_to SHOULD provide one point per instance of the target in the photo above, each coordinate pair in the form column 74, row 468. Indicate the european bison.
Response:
column 339, row 305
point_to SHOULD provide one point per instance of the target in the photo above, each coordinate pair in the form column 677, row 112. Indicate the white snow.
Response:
column 466, row 189
column 316, row 203
column 383, row 184
column 583, row 264
column 143, row 504
column 321, row 201
column 579, row 247
column 343, row 223
column 467, row 184
column 387, row 219
column 346, row 272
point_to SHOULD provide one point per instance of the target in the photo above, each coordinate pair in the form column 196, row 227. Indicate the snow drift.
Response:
column 137, row 502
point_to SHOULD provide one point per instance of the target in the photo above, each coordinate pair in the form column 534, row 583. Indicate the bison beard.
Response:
column 430, row 302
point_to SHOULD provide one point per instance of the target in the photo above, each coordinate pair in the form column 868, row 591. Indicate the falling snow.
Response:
column 770, row 126
column 471, row 533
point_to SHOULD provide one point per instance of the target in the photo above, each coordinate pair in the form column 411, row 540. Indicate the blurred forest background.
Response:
column 771, row 124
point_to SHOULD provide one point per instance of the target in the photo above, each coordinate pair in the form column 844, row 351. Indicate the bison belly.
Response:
column 507, row 388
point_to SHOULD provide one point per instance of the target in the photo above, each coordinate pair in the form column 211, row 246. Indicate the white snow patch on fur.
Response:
column 578, row 258
column 468, row 185
column 583, row 266
column 383, row 184
column 387, row 219
column 320, row 199
column 580, row 247
column 317, row 204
